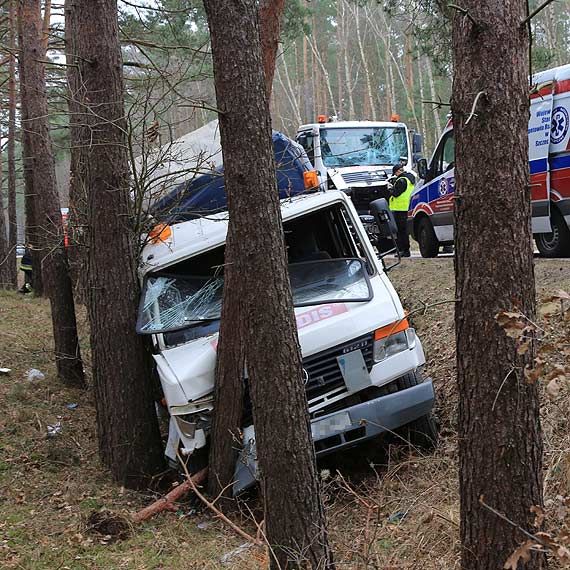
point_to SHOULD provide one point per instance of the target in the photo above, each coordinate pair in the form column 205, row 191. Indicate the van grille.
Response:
column 323, row 371
column 364, row 177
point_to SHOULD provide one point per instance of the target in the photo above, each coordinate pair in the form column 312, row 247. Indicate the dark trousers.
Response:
column 403, row 239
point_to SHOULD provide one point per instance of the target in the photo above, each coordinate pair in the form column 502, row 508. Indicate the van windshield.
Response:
column 363, row 146
column 173, row 302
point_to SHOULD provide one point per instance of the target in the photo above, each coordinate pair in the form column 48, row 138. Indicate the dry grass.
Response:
column 394, row 508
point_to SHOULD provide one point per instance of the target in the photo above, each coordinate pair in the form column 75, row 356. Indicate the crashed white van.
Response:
column 362, row 361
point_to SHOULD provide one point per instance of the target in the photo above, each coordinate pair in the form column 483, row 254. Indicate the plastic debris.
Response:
column 54, row 429
column 34, row 374
column 397, row 517
column 203, row 525
column 230, row 556
column 5, row 371
column 71, row 406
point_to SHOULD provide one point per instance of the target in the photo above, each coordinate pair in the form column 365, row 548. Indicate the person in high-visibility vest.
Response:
column 26, row 267
column 400, row 195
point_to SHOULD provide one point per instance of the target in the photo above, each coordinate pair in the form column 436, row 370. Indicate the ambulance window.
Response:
column 444, row 158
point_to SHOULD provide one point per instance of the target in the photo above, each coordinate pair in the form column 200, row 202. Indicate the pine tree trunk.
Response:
column 77, row 218
column 436, row 119
column 129, row 439
column 31, row 199
column 4, row 271
column 54, row 256
column 500, row 450
column 257, row 285
column 12, row 219
column 270, row 17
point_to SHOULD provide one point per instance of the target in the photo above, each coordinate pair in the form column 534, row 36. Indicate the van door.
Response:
column 440, row 187
column 539, row 127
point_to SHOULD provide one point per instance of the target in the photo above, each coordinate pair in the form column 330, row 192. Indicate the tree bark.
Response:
column 257, row 285
column 54, row 257
column 31, row 199
column 270, row 17
column 4, row 276
column 12, row 219
column 79, row 135
column 500, row 450
column 129, row 439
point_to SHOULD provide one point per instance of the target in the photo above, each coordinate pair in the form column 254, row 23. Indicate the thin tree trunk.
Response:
column 347, row 76
column 500, row 449
column 46, row 24
column 78, row 236
column 257, row 285
column 340, row 47
column 58, row 283
column 325, row 73
column 423, row 98
column 4, row 271
column 290, row 94
column 436, row 119
column 129, row 439
column 31, row 199
column 365, row 65
column 270, row 17
column 12, row 219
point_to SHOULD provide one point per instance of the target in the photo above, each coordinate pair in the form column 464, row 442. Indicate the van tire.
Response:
column 421, row 433
column 429, row 246
column 557, row 242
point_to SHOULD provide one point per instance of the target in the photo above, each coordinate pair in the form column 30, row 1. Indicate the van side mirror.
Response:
column 386, row 243
column 417, row 143
column 422, row 168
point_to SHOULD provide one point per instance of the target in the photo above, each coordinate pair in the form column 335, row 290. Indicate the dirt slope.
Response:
column 394, row 508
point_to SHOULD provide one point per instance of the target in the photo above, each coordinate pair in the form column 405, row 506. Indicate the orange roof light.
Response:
column 311, row 179
column 161, row 232
column 322, row 119
column 395, row 118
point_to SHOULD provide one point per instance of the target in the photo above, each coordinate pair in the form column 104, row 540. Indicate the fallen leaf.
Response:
column 521, row 553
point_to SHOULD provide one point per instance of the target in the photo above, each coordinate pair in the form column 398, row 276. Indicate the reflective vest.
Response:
column 401, row 203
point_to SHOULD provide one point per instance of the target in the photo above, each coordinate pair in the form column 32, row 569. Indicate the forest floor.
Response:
column 393, row 508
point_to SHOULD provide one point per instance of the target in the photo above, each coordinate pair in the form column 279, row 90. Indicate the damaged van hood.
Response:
column 187, row 371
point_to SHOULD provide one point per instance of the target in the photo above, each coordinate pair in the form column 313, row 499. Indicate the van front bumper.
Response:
column 350, row 426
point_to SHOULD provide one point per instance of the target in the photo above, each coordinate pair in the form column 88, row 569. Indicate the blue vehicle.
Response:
column 205, row 194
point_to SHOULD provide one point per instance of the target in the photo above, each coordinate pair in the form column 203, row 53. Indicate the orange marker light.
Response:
column 395, row 118
column 311, row 179
column 322, row 119
column 391, row 329
column 161, row 232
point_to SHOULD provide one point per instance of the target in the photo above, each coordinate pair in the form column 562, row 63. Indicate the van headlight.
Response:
column 393, row 344
column 189, row 423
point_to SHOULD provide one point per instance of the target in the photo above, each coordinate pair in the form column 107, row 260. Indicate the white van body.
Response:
column 430, row 218
column 357, row 157
column 348, row 405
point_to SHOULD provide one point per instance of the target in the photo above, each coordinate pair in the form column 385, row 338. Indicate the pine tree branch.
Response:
column 536, row 12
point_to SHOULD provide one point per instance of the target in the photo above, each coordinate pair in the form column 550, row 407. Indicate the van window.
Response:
column 327, row 263
column 444, row 157
column 307, row 141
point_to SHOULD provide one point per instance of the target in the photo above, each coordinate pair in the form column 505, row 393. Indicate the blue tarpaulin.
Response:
column 205, row 194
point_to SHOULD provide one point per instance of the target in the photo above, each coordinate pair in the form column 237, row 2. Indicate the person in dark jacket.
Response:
column 400, row 194
column 26, row 267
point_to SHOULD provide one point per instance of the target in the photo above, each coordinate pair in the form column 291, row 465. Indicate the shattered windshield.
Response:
column 173, row 302
column 358, row 146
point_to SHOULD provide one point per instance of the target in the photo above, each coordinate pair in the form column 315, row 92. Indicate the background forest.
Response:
column 344, row 58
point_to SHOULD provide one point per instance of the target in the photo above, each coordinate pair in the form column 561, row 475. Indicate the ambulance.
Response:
column 430, row 217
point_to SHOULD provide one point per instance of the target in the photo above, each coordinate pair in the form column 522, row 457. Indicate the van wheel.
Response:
column 421, row 433
column 557, row 242
column 429, row 246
